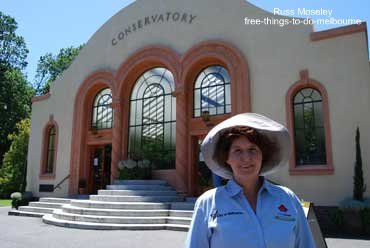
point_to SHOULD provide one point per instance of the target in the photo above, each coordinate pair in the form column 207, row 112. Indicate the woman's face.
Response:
column 245, row 159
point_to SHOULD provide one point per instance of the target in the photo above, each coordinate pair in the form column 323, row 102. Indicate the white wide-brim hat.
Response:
column 275, row 132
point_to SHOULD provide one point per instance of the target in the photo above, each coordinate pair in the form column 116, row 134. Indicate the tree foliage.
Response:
column 13, row 51
column 15, row 103
column 50, row 67
column 13, row 171
column 15, row 92
column 358, row 180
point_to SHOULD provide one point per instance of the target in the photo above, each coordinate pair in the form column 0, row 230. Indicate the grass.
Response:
column 5, row 202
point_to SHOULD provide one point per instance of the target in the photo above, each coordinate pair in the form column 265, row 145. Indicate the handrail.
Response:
column 58, row 185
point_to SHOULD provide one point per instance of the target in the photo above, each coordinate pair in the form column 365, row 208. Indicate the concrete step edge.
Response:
column 178, row 218
column 140, row 182
column 25, row 214
column 180, row 211
column 55, row 199
column 60, row 212
column 49, row 219
column 47, row 203
column 120, row 203
column 137, row 192
column 136, row 196
column 31, row 209
column 139, row 187
column 115, row 212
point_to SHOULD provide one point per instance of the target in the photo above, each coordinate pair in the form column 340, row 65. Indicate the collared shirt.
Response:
column 224, row 218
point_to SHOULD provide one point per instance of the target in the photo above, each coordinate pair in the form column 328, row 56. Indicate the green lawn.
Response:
column 5, row 202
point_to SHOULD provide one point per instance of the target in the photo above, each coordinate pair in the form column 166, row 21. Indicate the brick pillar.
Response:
column 116, row 139
column 182, row 156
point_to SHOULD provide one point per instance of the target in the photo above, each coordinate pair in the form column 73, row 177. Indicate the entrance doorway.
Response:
column 202, row 174
column 100, row 167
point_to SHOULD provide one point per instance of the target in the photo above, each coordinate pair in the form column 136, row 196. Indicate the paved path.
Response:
column 27, row 232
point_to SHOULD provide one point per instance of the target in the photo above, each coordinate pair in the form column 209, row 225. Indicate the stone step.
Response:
column 36, row 209
column 55, row 200
column 139, row 187
column 49, row 219
column 191, row 199
column 140, row 182
column 46, row 205
column 108, row 198
column 180, row 213
column 177, row 227
column 179, row 220
column 137, row 192
column 59, row 214
column 119, row 205
column 116, row 212
column 182, row 205
column 25, row 213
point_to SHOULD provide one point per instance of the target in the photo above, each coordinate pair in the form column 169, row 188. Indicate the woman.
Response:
column 248, row 211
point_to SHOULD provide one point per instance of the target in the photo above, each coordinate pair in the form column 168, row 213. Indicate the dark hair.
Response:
column 226, row 139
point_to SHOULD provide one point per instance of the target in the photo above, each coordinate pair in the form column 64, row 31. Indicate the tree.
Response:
column 13, row 171
column 358, row 180
column 13, row 51
column 15, row 92
column 50, row 67
column 15, row 104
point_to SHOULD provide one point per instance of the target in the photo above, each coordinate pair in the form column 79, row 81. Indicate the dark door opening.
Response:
column 100, row 167
column 203, row 175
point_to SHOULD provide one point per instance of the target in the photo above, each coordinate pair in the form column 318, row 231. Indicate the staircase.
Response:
column 126, row 205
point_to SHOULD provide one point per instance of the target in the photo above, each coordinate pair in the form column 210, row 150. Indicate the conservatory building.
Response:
column 154, row 79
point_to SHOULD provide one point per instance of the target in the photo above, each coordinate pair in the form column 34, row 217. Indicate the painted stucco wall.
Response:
column 275, row 56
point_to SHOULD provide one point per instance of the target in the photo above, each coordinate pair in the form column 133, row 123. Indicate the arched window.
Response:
column 102, row 112
column 49, row 149
column 309, row 131
column 212, row 92
column 309, row 124
column 152, row 129
column 50, row 155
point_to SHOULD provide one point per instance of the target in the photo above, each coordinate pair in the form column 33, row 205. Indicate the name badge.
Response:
column 284, row 218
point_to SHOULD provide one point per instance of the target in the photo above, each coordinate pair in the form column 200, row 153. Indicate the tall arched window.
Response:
column 102, row 112
column 49, row 149
column 309, row 130
column 50, row 155
column 152, row 128
column 212, row 92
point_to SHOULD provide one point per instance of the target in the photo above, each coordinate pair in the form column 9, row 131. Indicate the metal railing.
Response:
column 58, row 185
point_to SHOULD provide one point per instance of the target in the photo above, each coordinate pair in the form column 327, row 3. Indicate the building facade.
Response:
column 154, row 79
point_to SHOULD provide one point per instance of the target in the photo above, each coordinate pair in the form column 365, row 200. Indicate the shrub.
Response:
column 13, row 170
column 135, row 173
column 130, row 170
column 358, row 180
column 19, row 199
column 365, row 217
column 337, row 217
column 16, row 199
column 356, row 205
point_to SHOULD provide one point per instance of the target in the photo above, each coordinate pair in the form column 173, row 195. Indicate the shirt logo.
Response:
column 215, row 214
column 282, row 208
column 283, row 215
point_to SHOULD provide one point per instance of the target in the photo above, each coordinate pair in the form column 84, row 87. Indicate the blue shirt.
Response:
column 223, row 218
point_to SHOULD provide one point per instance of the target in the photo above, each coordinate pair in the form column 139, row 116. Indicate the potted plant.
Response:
column 82, row 186
column 16, row 199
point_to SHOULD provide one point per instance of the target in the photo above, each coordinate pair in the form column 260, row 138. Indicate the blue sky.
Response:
column 48, row 26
